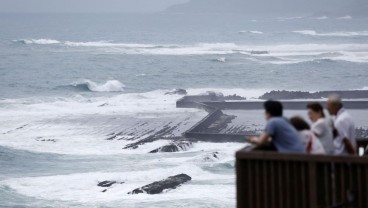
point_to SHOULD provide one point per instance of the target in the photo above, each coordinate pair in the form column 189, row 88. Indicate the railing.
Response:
column 271, row 179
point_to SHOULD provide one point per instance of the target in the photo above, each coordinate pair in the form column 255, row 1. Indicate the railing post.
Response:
column 312, row 175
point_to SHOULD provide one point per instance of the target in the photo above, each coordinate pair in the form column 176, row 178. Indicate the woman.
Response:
column 311, row 143
column 321, row 127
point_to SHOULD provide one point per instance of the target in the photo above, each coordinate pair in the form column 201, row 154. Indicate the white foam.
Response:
column 347, row 17
column 333, row 34
column 109, row 44
column 321, row 18
column 289, row 18
column 80, row 125
column 273, row 50
column 108, row 86
column 364, row 88
column 221, row 59
column 38, row 41
column 251, row 32
column 248, row 93
column 82, row 187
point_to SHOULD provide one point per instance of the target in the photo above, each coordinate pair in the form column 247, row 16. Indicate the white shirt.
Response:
column 322, row 129
column 309, row 140
column 346, row 129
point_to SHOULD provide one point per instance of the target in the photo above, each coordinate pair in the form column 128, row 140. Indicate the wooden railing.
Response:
column 271, row 179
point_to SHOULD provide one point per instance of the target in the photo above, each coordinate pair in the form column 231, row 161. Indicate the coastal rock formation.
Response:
column 106, row 183
column 234, row 97
column 259, row 52
column 286, row 95
column 175, row 146
column 211, row 157
column 177, row 92
column 159, row 186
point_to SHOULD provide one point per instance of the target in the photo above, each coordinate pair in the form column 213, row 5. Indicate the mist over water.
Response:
column 69, row 81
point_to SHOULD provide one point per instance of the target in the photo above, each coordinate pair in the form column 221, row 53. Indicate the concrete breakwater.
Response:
column 215, row 126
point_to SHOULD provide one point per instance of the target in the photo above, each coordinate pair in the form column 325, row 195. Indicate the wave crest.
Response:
column 251, row 32
column 38, row 41
column 332, row 34
column 108, row 86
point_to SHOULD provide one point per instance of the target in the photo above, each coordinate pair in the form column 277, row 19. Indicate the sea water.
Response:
column 68, row 81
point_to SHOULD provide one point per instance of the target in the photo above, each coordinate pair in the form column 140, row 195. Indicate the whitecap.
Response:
column 221, row 59
column 321, row 18
column 108, row 86
column 347, row 17
column 251, row 32
column 333, row 34
column 38, row 41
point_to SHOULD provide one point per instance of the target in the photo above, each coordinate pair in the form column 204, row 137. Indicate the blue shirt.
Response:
column 284, row 136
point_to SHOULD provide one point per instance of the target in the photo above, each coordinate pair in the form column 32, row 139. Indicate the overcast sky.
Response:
column 86, row 5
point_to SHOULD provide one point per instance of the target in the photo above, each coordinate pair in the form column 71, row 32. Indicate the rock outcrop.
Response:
column 211, row 157
column 159, row 186
column 106, row 183
column 279, row 95
column 177, row 92
column 175, row 146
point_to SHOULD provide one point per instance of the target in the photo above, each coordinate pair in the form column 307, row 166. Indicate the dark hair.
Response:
column 274, row 108
column 299, row 123
column 316, row 107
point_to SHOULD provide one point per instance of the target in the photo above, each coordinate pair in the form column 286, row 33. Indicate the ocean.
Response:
column 69, row 81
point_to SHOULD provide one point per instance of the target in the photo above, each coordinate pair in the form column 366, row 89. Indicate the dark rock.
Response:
column 211, row 157
column 159, row 186
column 102, row 105
column 215, row 96
column 104, row 190
column 175, row 146
column 177, row 92
column 45, row 140
column 106, row 183
column 278, row 95
column 234, row 97
column 259, row 52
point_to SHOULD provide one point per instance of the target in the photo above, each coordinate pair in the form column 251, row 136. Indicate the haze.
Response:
column 85, row 6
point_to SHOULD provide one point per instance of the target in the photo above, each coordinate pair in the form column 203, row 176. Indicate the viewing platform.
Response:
column 266, row 179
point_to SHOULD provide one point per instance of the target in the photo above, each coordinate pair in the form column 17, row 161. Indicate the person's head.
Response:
column 334, row 104
column 273, row 109
column 315, row 111
column 299, row 123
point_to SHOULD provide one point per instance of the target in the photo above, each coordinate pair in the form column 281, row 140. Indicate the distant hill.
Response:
column 274, row 7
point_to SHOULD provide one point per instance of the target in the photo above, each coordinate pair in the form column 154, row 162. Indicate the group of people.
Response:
column 323, row 136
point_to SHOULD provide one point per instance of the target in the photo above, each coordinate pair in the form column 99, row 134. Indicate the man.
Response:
column 283, row 135
column 345, row 141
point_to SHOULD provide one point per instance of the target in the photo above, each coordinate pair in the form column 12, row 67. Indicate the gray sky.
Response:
column 86, row 5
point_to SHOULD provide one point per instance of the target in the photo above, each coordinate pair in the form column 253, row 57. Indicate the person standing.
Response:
column 345, row 141
column 279, row 130
column 322, row 127
column 308, row 138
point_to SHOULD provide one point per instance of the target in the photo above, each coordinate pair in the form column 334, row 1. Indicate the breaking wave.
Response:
column 345, row 17
column 38, row 41
column 251, row 32
column 294, row 52
column 332, row 34
column 108, row 86
column 320, row 18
